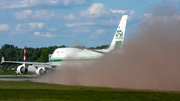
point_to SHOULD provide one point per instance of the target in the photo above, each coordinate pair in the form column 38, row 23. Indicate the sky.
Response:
column 91, row 23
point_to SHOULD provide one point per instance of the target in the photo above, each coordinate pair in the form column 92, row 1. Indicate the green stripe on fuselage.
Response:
column 55, row 60
column 60, row 60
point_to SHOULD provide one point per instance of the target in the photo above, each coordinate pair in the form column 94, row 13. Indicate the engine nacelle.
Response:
column 22, row 69
column 40, row 71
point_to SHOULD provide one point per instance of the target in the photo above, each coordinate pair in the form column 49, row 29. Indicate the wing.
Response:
column 36, row 64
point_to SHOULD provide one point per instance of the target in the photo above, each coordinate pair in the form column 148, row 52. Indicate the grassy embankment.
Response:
column 24, row 91
column 5, row 71
column 15, row 75
column 11, row 72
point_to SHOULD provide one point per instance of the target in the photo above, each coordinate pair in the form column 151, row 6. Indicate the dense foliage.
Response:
column 13, row 53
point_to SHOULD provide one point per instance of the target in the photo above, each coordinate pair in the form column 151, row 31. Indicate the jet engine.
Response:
column 22, row 69
column 40, row 71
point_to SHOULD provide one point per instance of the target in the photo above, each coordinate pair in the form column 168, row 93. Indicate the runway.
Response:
column 18, row 75
column 16, row 79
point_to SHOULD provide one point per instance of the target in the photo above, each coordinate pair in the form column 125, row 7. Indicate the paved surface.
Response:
column 16, row 79
column 17, row 75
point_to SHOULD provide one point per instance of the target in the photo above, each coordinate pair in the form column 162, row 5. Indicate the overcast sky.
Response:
column 43, row 23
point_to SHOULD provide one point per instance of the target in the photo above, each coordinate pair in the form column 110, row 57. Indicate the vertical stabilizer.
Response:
column 119, row 35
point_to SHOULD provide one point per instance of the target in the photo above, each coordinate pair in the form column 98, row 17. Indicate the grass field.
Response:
column 11, row 72
column 30, row 91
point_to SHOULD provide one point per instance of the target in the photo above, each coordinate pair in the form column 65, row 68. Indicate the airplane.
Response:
column 72, row 54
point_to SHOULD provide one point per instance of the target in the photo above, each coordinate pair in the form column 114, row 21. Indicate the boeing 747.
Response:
column 74, row 54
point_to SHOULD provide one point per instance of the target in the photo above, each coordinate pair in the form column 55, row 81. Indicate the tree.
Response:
column 44, row 56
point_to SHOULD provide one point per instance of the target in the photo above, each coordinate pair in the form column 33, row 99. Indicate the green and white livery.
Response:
column 61, row 54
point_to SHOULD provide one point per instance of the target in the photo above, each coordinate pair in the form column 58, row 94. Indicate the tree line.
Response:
column 13, row 53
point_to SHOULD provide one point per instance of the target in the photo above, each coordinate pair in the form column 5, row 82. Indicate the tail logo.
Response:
column 119, row 34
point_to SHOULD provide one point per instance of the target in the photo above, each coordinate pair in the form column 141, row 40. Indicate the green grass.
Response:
column 13, row 73
column 10, row 72
column 30, row 91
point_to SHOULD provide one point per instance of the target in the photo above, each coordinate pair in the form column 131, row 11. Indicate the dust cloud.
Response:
column 149, row 61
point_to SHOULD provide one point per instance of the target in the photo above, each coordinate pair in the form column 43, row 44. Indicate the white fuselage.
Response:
column 75, row 54
column 71, row 56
